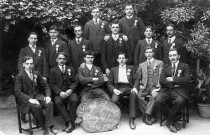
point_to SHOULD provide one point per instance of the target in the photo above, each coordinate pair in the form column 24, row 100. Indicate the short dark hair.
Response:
column 149, row 47
column 54, row 27
column 114, row 22
column 32, row 33
column 129, row 4
column 174, row 49
column 95, row 7
column 122, row 53
column 148, row 27
column 171, row 25
column 88, row 52
column 25, row 58
column 61, row 53
column 78, row 26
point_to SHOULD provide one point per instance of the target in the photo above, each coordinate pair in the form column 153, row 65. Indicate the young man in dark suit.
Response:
column 173, row 42
column 132, row 26
column 148, row 74
column 121, row 82
column 34, row 92
column 115, row 43
column 39, row 59
column 173, row 94
column 54, row 45
column 63, row 82
column 94, row 31
column 77, row 47
column 91, row 79
column 139, row 55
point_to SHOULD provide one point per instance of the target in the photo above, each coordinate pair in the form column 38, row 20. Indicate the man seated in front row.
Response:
column 173, row 94
column 63, row 83
column 148, row 74
column 34, row 92
column 91, row 79
column 121, row 83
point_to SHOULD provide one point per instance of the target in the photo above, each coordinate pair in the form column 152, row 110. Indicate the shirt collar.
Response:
column 89, row 66
column 172, row 38
column 54, row 39
column 176, row 63
column 151, row 60
column 28, row 72
column 129, row 17
column 32, row 46
column 148, row 39
column 122, row 67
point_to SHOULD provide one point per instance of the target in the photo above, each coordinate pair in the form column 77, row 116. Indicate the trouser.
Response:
column 45, row 120
column 170, row 111
column 95, row 93
column 68, row 114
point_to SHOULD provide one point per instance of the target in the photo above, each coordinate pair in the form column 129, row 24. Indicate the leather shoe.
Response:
column 147, row 121
column 172, row 128
column 70, row 127
column 47, row 132
column 153, row 120
column 23, row 117
column 53, row 131
column 132, row 123
column 78, row 120
column 66, row 126
column 177, row 126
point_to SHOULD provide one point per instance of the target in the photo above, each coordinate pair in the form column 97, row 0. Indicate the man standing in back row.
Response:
column 132, row 26
column 94, row 31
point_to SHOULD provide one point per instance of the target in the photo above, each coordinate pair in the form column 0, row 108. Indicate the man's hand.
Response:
column 47, row 100
column 34, row 101
column 69, row 91
column 170, row 79
column 141, row 87
column 106, row 37
column 63, row 94
column 117, row 92
column 155, row 90
column 154, row 94
column 95, row 79
column 134, row 90
column 107, row 72
column 45, row 79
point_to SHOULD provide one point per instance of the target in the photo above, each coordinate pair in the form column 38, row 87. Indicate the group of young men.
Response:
column 66, row 74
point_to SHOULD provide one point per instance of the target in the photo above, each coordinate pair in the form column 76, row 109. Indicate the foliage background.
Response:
column 19, row 17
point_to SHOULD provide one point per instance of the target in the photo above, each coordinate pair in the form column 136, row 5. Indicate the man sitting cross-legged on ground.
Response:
column 121, row 83
column 34, row 92
column 63, row 82
column 148, row 74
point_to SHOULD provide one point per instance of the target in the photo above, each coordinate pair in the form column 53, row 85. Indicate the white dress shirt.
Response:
column 96, row 21
column 53, row 41
column 176, row 64
column 33, row 48
column 129, row 17
column 30, row 75
column 115, row 36
column 78, row 40
column 171, row 40
column 149, row 41
column 64, row 67
column 122, row 76
column 89, row 66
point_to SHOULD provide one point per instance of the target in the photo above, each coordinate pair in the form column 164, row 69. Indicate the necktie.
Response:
column 169, row 41
column 173, row 69
column 52, row 41
column 149, row 64
column 149, row 41
column 31, row 75
column 78, row 41
column 63, row 69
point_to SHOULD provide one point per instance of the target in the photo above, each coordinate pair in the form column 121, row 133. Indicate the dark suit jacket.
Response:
column 156, row 71
column 113, row 78
column 178, row 45
column 39, row 58
column 110, row 52
column 62, row 48
column 133, row 32
column 86, row 78
column 95, row 34
column 139, row 54
column 76, row 52
column 57, row 78
column 182, row 78
column 25, row 88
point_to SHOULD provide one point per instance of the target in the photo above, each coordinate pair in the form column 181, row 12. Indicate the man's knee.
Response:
column 57, row 100
column 73, row 98
column 180, row 100
column 115, row 98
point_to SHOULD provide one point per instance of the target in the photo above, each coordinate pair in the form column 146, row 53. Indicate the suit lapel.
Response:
column 129, row 76
column 145, row 66
column 28, row 80
column 116, row 74
column 93, row 26
column 178, row 68
column 132, row 27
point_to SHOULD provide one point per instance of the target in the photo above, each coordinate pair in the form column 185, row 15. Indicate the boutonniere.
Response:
column 172, row 45
column 129, row 72
column 69, row 72
column 179, row 73
column 57, row 46
column 96, row 72
column 125, row 37
column 35, row 78
column 135, row 23
column 102, row 26
column 120, row 41
column 83, row 48
column 39, row 53
column 155, row 67
column 156, row 44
